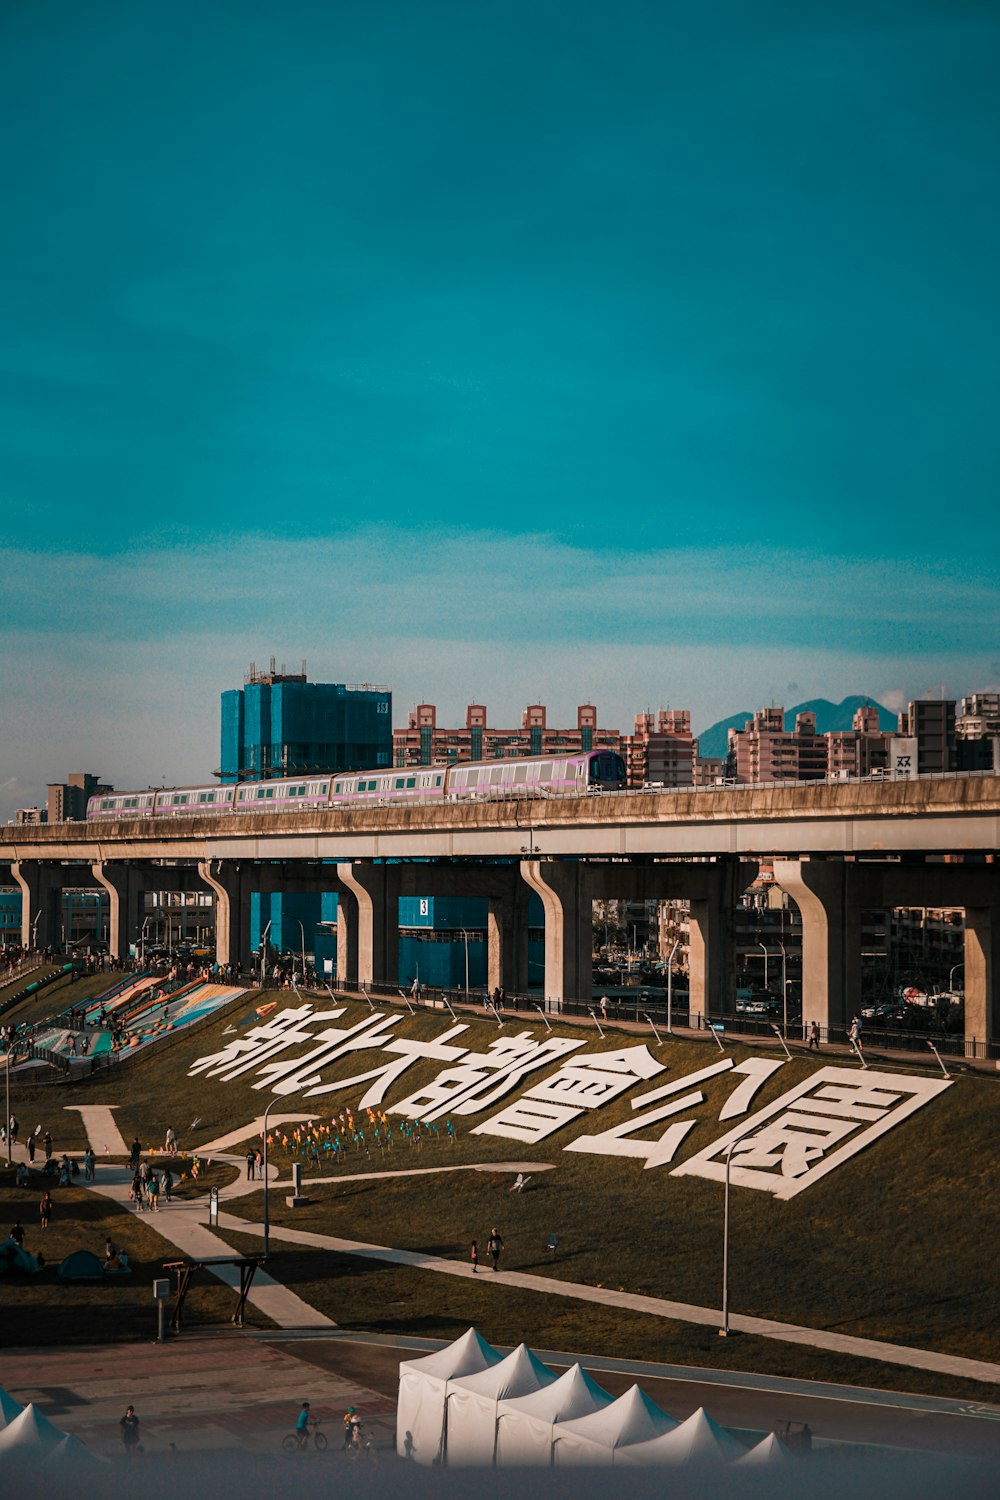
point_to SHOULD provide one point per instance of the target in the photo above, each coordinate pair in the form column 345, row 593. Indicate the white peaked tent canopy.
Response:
column 70, row 1453
column 29, row 1431
column 525, row 1423
column 697, row 1441
column 9, row 1408
column 769, row 1451
column 422, row 1387
column 472, row 1402
column 603, row 1436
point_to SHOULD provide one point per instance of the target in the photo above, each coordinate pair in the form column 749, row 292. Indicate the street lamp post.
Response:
column 764, row 951
column 7, row 1116
column 302, row 930
column 725, row 1331
column 267, row 1206
column 263, row 953
column 951, row 976
column 670, row 986
column 465, row 936
column 784, row 990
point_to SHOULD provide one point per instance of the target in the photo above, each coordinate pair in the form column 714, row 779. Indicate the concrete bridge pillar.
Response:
column 41, row 892
column 823, row 890
column 368, row 924
column 125, row 892
column 982, row 973
column 231, row 900
column 715, row 890
column 565, row 890
column 507, row 941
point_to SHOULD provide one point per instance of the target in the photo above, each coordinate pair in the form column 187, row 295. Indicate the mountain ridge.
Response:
column 830, row 717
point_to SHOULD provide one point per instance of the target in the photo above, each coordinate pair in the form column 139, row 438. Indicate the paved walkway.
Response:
column 684, row 1312
column 101, row 1127
column 181, row 1226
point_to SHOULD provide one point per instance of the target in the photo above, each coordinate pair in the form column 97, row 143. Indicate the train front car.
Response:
column 606, row 772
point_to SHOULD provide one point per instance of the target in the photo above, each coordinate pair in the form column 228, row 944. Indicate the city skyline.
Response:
column 642, row 358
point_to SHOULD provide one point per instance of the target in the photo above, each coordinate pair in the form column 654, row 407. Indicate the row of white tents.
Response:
column 469, row 1405
column 27, row 1437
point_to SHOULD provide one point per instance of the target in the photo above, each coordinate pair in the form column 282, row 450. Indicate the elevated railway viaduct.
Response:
column 838, row 849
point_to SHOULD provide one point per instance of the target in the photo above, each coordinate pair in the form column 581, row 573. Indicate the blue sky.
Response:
column 643, row 353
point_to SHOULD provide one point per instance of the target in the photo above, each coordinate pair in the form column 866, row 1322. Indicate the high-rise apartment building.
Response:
column 280, row 724
column 423, row 743
column 67, row 801
column 931, row 722
column 765, row 751
column 661, row 750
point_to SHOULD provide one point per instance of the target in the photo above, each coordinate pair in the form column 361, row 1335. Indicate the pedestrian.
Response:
column 259, row 1164
column 168, row 1185
column 170, row 1142
column 45, row 1209
column 494, row 1245
column 130, row 1432
column 137, row 1192
column 135, row 1151
column 14, row 1128
column 153, row 1192
column 854, row 1035
column 604, row 1007
column 814, row 1035
column 17, row 1233
column 47, row 1142
column 251, row 1164
column 474, row 1256
column 31, row 1149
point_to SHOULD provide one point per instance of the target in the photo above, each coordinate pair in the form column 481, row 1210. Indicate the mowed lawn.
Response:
column 895, row 1245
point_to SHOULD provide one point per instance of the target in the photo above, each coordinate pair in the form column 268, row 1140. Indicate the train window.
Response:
column 520, row 773
column 545, row 772
column 400, row 782
column 411, row 781
column 437, row 781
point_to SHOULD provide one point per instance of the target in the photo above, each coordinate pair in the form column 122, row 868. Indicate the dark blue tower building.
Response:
column 280, row 724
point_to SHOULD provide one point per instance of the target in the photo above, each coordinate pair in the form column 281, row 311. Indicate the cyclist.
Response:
column 302, row 1425
column 352, row 1429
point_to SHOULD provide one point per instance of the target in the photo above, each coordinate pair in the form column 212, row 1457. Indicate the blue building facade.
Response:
column 280, row 724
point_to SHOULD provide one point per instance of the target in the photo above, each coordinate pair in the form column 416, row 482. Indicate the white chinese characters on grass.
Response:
column 621, row 1140
column 812, row 1129
column 582, row 1083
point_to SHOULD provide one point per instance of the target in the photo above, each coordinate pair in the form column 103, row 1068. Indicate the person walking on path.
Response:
column 494, row 1245
column 133, row 1157
column 47, row 1142
column 31, row 1149
column 168, row 1185
column 130, row 1432
column 17, row 1233
column 474, row 1256
column 604, row 1007
column 814, row 1035
column 251, row 1164
column 138, row 1188
column 854, row 1035
column 153, row 1192
column 170, row 1141
column 45, row 1209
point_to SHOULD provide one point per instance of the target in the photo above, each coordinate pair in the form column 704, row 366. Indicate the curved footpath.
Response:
column 180, row 1224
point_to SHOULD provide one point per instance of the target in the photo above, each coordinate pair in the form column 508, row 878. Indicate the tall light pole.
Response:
column 263, row 952
column 764, row 950
column 302, row 930
column 951, row 976
column 267, row 1205
column 465, row 935
column 784, row 990
column 7, row 1116
column 724, row 1331
column 670, row 986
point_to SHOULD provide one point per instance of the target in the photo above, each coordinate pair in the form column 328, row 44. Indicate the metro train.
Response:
column 539, row 776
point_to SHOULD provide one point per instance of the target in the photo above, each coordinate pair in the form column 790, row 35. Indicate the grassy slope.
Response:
column 895, row 1245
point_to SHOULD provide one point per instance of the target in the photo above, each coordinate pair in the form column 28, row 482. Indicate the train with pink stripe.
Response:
column 535, row 776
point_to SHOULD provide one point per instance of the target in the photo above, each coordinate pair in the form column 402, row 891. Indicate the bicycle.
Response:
column 360, row 1446
column 298, row 1441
